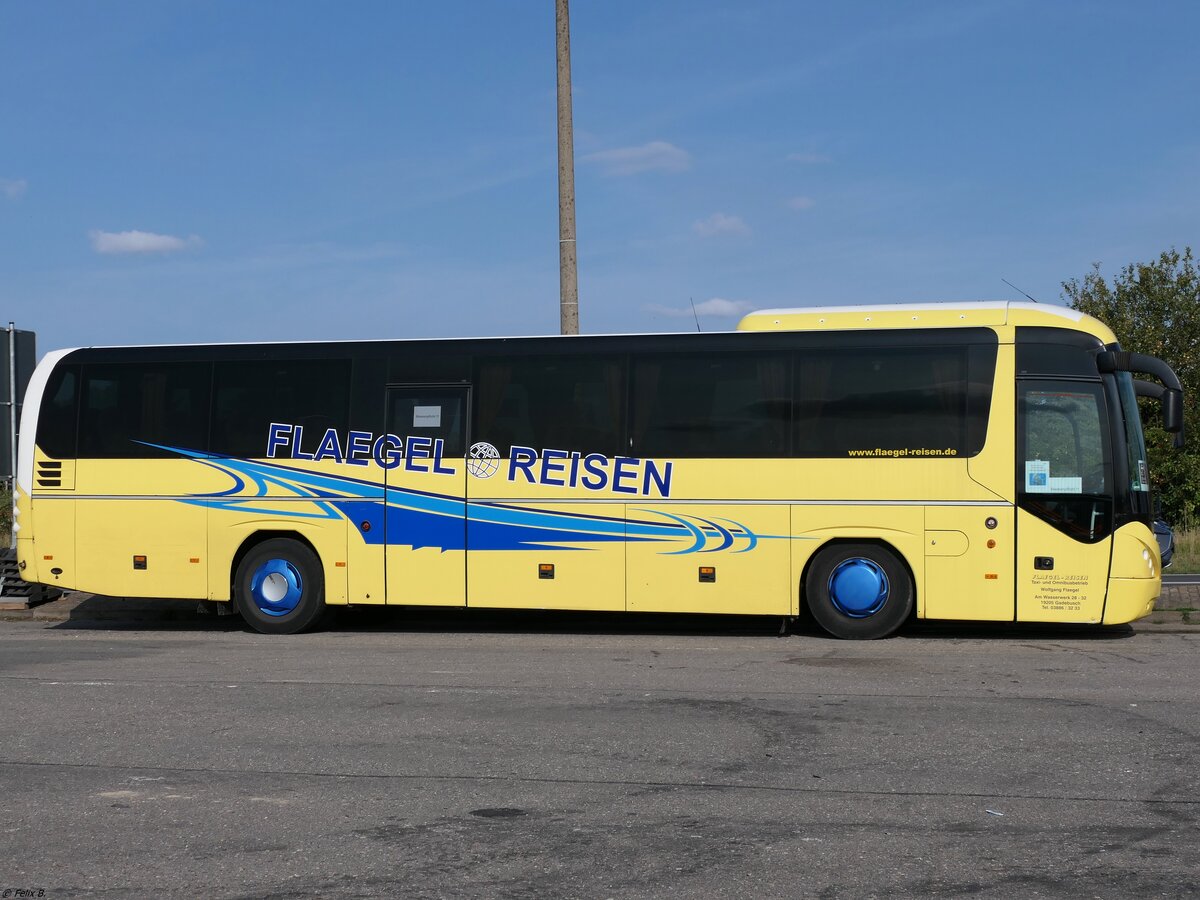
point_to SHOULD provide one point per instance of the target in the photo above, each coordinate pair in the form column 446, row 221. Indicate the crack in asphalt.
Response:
column 597, row 782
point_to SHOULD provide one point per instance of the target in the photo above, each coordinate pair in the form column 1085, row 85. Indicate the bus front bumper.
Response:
column 1130, row 599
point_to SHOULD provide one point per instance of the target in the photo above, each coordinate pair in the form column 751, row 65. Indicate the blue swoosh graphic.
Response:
column 409, row 517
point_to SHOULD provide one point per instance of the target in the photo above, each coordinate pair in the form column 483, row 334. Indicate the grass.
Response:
column 1187, row 552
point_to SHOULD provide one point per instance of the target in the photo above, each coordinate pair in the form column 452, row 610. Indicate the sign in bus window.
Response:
column 1038, row 479
column 427, row 417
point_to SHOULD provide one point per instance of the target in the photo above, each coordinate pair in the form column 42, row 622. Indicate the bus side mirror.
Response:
column 1170, row 392
column 1172, row 414
column 1172, row 410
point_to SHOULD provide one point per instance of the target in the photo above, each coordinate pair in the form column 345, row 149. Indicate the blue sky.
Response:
column 200, row 171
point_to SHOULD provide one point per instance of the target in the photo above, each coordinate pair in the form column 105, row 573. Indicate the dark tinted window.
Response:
column 367, row 395
column 1057, row 351
column 731, row 405
column 56, row 420
column 890, row 401
column 124, row 408
column 250, row 396
column 436, row 362
column 556, row 402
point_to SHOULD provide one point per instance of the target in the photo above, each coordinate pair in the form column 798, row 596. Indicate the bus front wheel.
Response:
column 858, row 591
column 279, row 587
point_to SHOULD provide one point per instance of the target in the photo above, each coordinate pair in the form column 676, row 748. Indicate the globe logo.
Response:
column 483, row 461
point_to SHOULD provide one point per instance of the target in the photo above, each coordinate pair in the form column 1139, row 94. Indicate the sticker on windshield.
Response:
column 1037, row 476
column 1143, row 477
column 1066, row 485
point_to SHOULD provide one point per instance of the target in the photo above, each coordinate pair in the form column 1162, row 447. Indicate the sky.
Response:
column 176, row 172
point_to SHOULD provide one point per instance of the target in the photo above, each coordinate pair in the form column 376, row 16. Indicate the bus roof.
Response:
column 924, row 315
column 805, row 318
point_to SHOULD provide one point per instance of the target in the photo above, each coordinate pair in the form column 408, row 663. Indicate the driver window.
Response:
column 1064, row 444
column 1064, row 475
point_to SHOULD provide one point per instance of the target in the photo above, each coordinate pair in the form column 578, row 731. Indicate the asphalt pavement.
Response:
column 572, row 755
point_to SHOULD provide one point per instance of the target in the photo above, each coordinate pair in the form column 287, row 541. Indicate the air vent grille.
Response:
column 52, row 473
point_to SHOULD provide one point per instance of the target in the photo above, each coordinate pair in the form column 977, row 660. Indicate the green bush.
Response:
column 6, row 504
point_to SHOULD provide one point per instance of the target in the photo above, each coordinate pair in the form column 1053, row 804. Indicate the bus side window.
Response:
column 250, row 395
column 59, row 414
column 571, row 403
column 1063, row 460
column 1063, row 429
column 895, row 399
column 136, row 411
column 700, row 407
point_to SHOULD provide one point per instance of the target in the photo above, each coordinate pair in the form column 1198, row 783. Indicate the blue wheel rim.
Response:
column 276, row 587
column 858, row 587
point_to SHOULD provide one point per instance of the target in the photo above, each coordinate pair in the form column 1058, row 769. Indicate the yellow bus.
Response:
column 978, row 462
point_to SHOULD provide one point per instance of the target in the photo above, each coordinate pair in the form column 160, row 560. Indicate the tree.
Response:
column 1154, row 308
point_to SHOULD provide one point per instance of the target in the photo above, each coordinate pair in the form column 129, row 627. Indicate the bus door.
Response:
column 1064, row 500
column 425, row 528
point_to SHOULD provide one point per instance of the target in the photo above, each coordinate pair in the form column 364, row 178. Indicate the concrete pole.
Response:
column 12, row 400
column 12, row 429
column 568, row 275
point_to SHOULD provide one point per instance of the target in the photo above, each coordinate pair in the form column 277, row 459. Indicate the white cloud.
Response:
column 12, row 188
column 139, row 242
column 715, row 307
column 801, row 203
column 720, row 223
column 808, row 159
column 656, row 156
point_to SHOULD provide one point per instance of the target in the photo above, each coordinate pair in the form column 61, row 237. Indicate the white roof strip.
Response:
column 1052, row 309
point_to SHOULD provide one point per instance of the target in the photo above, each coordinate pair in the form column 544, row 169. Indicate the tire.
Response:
column 858, row 592
column 280, row 587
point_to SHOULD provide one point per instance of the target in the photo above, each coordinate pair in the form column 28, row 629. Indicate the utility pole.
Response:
column 568, row 275
column 12, row 413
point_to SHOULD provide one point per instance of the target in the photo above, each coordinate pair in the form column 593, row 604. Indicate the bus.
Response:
column 868, row 465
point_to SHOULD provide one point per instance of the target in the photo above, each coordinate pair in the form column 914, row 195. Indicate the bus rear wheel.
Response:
column 279, row 587
column 858, row 591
